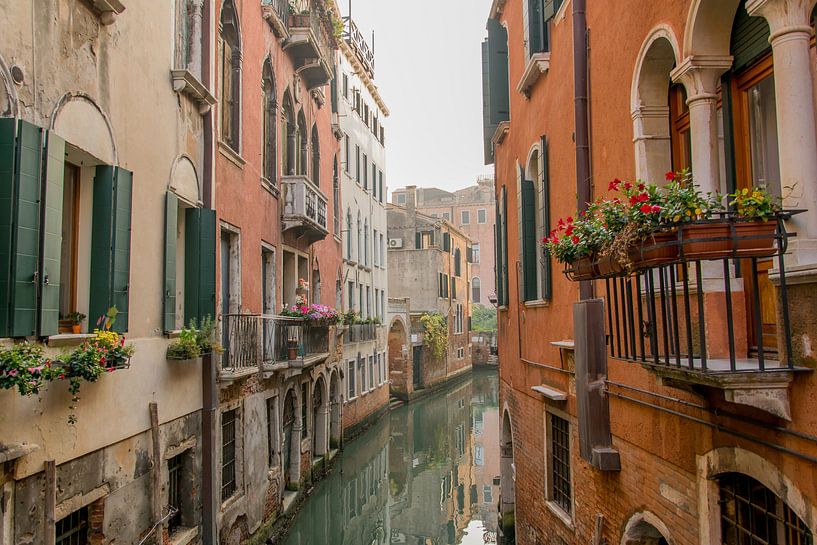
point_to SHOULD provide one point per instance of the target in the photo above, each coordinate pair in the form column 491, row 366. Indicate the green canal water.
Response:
column 425, row 474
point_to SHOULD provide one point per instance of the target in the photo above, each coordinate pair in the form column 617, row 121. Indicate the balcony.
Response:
column 305, row 208
column 677, row 314
column 359, row 333
column 309, row 47
column 271, row 343
column 358, row 43
column 276, row 13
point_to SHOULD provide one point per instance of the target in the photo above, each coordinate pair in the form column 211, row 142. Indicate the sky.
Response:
column 428, row 68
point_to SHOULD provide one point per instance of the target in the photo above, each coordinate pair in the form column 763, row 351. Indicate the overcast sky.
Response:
column 429, row 71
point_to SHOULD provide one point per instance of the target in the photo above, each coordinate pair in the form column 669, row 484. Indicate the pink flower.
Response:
column 655, row 208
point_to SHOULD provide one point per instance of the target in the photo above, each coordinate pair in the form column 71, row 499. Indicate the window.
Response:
column 453, row 288
column 482, row 216
column 365, row 173
column 559, row 485
column 382, row 252
column 304, row 410
column 457, row 262
column 476, row 290
column 371, row 373
column 465, row 216
column 351, row 392
column 475, row 257
column 270, row 166
column 289, row 137
column 228, row 454
column 376, row 249
column 361, row 366
column 380, row 188
column 752, row 514
column 316, row 157
column 447, row 216
column 302, row 146
column 366, row 242
column 230, row 75
column 336, row 197
column 495, row 86
column 345, row 85
column 174, row 492
column 268, row 280
column 374, row 180
column 348, row 234
column 272, row 432
column 186, row 13
column 359, row 238
column 368, row 302
column 357, row 163
column 73, row 529
column 401, row 198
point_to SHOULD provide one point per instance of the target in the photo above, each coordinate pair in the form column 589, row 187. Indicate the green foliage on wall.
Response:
column 483, row 318
column 436, row 334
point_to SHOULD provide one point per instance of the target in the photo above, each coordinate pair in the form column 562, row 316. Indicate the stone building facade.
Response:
column 429, row 267
column 361, row 112
column 106, row 117
column 473, row 211
column 600, row 444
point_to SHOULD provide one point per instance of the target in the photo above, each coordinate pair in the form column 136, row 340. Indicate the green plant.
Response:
column 207, row 335
column 756, row 203
column 186, row 347
column 350, row 317
column 435, row 334
column 75, row 318
column 22, row 367
column 483, row 318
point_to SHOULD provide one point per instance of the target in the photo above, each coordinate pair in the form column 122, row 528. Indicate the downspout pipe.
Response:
column 208, row 375
column 581, row 112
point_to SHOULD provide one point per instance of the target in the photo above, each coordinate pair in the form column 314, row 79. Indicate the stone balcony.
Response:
column 305, row 208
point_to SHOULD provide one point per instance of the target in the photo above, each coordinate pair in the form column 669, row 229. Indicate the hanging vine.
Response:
column 436, row 334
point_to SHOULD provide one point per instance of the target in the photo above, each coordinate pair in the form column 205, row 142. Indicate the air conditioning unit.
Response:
column 395, row 243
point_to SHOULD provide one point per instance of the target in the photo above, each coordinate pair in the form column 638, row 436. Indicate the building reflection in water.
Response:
column 427, row 474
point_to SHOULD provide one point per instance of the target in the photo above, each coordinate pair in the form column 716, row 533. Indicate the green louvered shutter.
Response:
column 200, row 264
column 535, row 26
column 750, row 38
column 499, row 95
column 528, row 241
column 446, row 242
column 50, row 281
column 171, row 226
column 505, row 294
column 8, row 154
column 110, row 244
column 498, row 252
column 544, row 213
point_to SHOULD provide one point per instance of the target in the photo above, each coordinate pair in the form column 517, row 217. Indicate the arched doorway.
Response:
column 401, row 374
column 645, row 529
column 320, row 418
column 507, row 478
column 335, row 404
column 292, row 441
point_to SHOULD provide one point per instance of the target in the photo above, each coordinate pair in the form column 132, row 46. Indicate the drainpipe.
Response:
column 581, row 112
column 208, row 375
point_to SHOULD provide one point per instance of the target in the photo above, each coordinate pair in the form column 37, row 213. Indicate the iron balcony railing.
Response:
column 658, row 314
column 251, row 340
column 362, row 333
column 354, row 37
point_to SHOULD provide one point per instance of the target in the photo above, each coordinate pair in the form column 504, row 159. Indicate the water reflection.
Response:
column 425, row 475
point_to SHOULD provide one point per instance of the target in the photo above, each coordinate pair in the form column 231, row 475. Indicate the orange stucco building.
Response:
column 621, row 422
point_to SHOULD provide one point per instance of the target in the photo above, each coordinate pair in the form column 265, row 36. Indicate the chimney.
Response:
column 411, row 199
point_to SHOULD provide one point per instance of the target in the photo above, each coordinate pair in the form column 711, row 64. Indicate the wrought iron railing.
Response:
column 315, row 340
column 354, row 37
column 280, row 332
column 658, row 314
column 241, row 334
column 362, row 333
column 303, row 199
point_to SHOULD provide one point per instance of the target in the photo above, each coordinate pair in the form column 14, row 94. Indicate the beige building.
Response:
column 106, row 117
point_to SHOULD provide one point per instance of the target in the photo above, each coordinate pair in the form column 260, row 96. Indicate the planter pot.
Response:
column 299, row 20
column 701, row 241
column 608, row 266
column 755, row 239
column 582, row 269
column 292, row 353
column 76, row 329
column 180, row 360
column 656, row 250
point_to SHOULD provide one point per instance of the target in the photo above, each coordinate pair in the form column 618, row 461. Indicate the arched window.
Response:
column 476, row 290
column 316, row 157
column 303, row 146
column 288, row 136
column 536, row 217
column 349, row 233
column 270, row 163
column 230, row 75
column 336, row 196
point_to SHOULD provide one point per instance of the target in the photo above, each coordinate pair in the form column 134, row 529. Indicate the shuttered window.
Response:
column 544, row 215
column 750, row 38
column 170, row 266
column 200, row 264
column 526, row 209
column 495, row 88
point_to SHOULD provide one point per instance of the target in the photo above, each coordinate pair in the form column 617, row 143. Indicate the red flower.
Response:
column 575, row 239
column 614, row 185
column 561, row 222
column 628, row 185
column 646, row 208
column 670, row 176
column 643, row 197
column 641, row 187
column 633, row 200
column 570, row 219
column 655, row 208
column 569, row 230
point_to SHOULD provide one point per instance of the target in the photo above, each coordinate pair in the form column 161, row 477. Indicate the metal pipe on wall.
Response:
column 581, row 118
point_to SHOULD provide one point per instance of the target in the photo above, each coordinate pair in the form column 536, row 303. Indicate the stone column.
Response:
column 294, row 469
column 700, row 76
column 321, row 430
column 796, row 126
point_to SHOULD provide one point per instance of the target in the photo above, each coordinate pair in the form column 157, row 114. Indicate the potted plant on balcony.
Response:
column 756, row 223
column 186, row 347
column 76, row 319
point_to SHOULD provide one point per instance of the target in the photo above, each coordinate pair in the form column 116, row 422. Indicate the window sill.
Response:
column 270, row 187
column 227, row 151
column 69, row 339
column 184, row 81
column 184, row 536
column 539, row 303
column 537, row 66
column 228, row 376
column 561, row 515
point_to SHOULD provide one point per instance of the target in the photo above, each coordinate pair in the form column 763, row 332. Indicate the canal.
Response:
column 427, row 473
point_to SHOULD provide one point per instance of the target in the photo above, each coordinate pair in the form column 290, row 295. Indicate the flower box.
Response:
column 658, row 249
column 755, row 239
column 583, row 268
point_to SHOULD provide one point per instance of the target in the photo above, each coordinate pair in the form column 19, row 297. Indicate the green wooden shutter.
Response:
column 446, row 242
column 535, row 26
column 21, row 147
column 50, row 281
column 488, row 129
column 505, row 295
column 498, row 252
column 528, row 241
column 171, row 227
column 750, row 38
column 199, row 264
column 544, row 214
column 110, row 244
column 500, row 108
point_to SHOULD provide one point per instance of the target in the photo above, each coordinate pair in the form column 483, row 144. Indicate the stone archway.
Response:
column 401, row 373
column 335, row 404
column 320, row 419
column 650, row 105
column 645, row 529
column 291, row 449
column 507, row 479
column 84, row 124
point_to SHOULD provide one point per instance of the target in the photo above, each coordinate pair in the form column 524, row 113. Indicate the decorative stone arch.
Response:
column 401, row 371
column 645, row 528
column 289, row 135
column 335, row 406
column 291, row 426
column 649, row 104
column 320, row 417
column 303, row 145
column 507, row 475
column 185, row 182
column 9, row 104
column 83, row 123
column 534, row 155
column 708, row 28
column 724, row 460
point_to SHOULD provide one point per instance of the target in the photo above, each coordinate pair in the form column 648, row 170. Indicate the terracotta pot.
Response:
column 706, row 240
column 582, row 269
column 292, row 353
column 657, row 250
column 763, row 246
column 76, row 329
